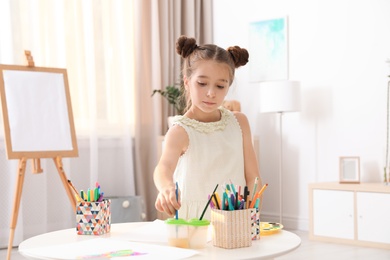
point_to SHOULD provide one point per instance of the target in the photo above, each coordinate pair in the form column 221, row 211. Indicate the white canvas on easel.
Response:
column 38, row 118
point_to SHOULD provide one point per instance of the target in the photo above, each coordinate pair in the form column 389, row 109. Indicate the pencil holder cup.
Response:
column 93, row 218
column 231, row 229
column 255, row 223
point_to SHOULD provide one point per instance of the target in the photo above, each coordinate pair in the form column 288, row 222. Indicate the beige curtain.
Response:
column 158, row 65
column 93, row 40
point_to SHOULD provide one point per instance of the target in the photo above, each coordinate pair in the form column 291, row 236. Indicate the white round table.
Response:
column 267, row 247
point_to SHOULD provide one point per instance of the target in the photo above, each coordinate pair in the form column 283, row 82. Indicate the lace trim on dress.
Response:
column 205, row 127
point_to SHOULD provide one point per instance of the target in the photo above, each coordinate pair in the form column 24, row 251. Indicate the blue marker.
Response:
column 231, row 202
column 101, row 196
column 224, row 200
column 242, row 204
column 257, row 203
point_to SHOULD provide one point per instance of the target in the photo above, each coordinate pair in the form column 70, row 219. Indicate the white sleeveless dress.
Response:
column 214, row 156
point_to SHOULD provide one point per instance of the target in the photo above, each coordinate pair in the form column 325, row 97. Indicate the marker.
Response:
column 246, row 194
column 82, row 194
column 227, row 188
column 242, row 204
column 101, row 197
column 257, row 203
column 237, row 201
column 91, row 195
column 254, row 188
column 96, row 194
column 231, row 202
column 224, row 198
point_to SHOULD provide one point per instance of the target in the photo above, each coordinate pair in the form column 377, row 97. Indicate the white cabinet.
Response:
column 357, row 214
column 373, row 217
column 333, row 213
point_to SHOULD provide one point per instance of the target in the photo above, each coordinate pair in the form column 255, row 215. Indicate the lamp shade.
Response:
column 280, row 96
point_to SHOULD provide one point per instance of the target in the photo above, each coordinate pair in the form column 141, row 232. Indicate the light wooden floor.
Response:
column 311, row 250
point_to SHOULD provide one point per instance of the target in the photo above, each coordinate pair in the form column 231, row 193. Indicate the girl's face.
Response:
column 208, row 85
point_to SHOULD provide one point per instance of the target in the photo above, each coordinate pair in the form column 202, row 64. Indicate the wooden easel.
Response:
column 36, row 169
column 19, row 187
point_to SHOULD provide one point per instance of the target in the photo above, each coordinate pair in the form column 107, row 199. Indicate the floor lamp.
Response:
column 280, row 97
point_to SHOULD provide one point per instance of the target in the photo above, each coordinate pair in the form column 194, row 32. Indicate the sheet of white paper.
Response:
column 37, row 111
column 107, row 248
column 152, row 232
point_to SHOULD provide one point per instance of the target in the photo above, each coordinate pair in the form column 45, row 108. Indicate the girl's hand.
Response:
column 166, row 200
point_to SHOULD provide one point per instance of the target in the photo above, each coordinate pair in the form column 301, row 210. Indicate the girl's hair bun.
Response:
column 185, row 46
column 239, row 55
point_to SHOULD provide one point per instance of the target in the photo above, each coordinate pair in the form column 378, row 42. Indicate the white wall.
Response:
column 338, row 51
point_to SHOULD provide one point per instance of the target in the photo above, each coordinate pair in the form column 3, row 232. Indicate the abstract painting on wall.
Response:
column 268, row 49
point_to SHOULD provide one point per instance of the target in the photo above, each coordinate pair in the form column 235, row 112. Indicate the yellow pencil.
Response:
column 262, row 189
column 218, row 199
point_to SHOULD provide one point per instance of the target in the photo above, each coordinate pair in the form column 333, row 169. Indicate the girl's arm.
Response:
column 251, row 166
column 175, row 143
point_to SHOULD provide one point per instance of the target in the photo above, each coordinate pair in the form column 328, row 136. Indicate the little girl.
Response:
column 209, row 144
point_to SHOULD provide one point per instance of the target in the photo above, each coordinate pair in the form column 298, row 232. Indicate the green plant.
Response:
column 174, row 97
